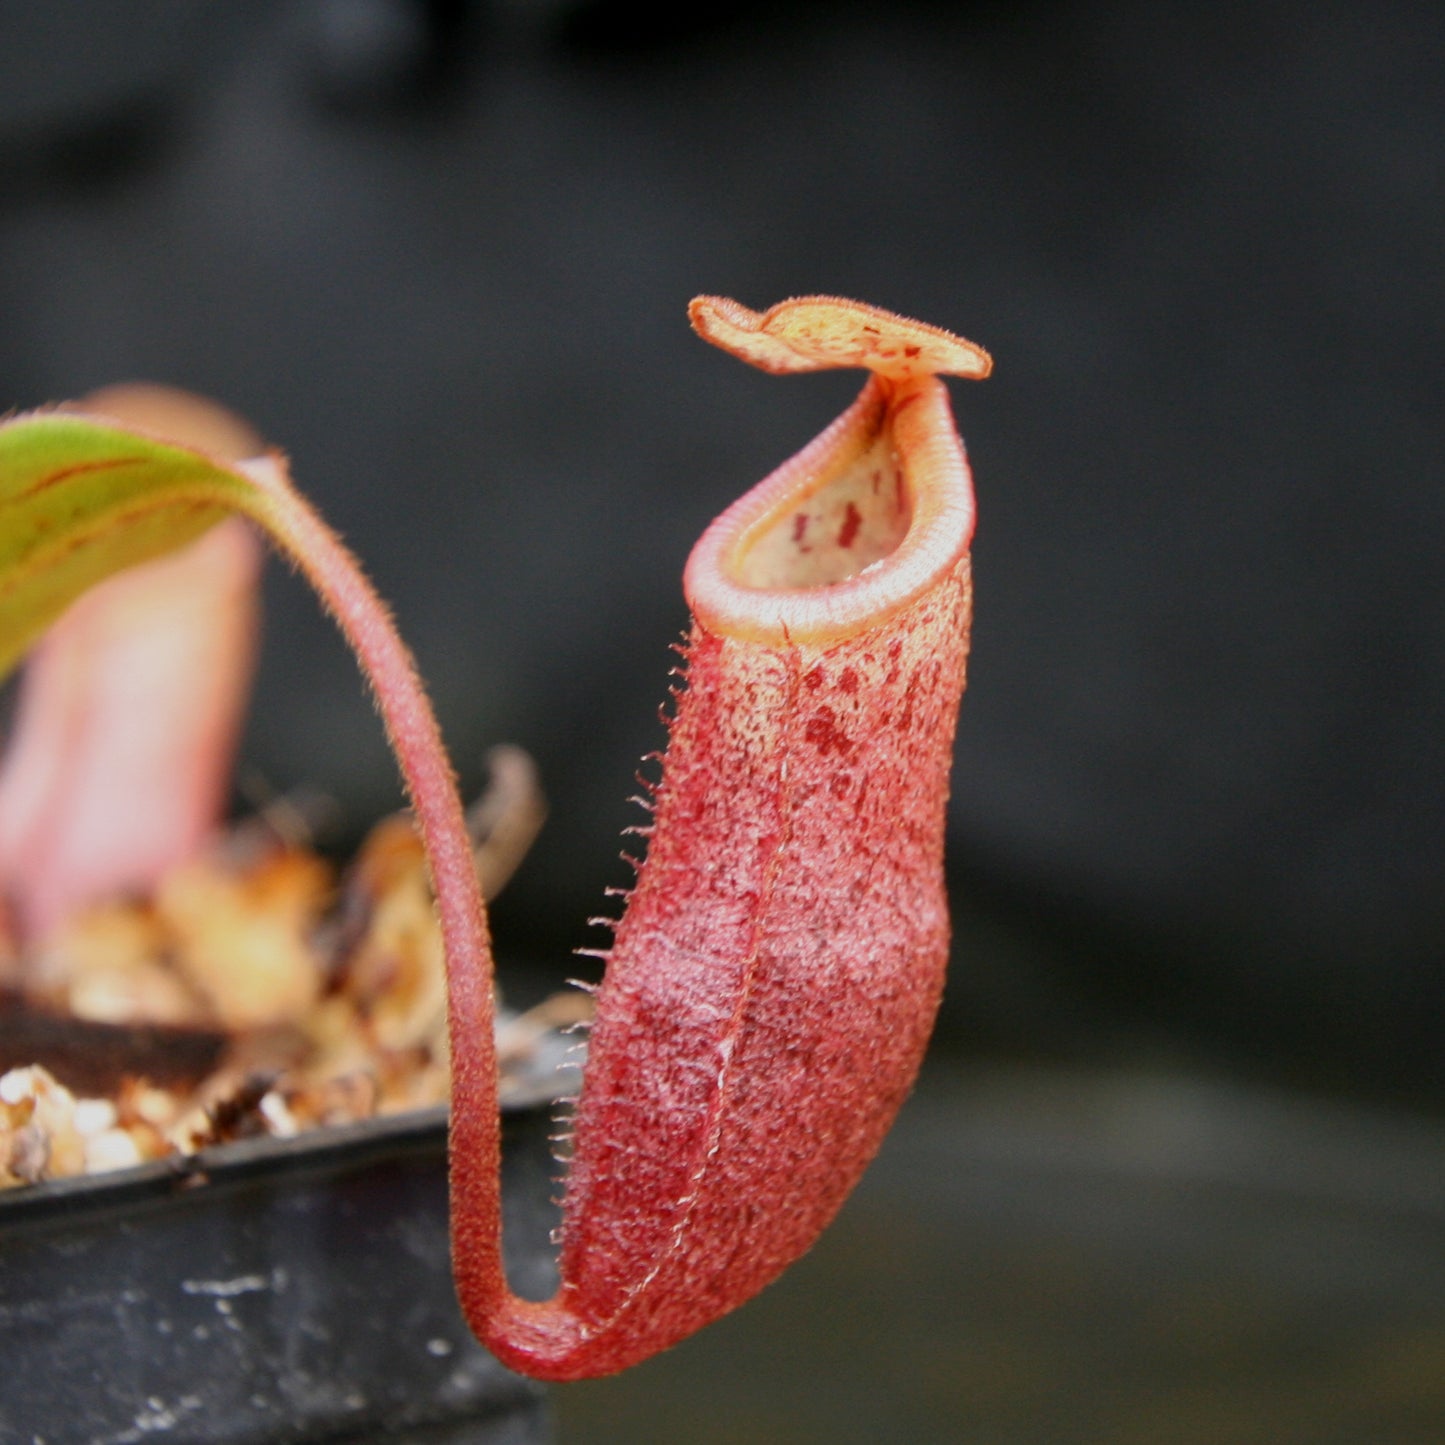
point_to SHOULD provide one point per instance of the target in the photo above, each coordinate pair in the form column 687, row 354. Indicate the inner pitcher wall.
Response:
column 857, row 515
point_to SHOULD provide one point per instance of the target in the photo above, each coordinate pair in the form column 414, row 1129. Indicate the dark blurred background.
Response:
column 440, row 252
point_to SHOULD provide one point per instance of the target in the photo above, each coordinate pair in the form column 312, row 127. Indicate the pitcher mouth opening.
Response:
column 833, row 530
column 852, row 528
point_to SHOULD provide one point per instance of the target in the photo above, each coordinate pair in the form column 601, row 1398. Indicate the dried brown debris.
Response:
column 324, row 996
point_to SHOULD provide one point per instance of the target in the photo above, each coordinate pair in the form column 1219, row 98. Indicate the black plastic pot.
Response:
column 270, row 1290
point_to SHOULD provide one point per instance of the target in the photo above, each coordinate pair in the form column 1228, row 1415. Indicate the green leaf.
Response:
column 81, row 499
